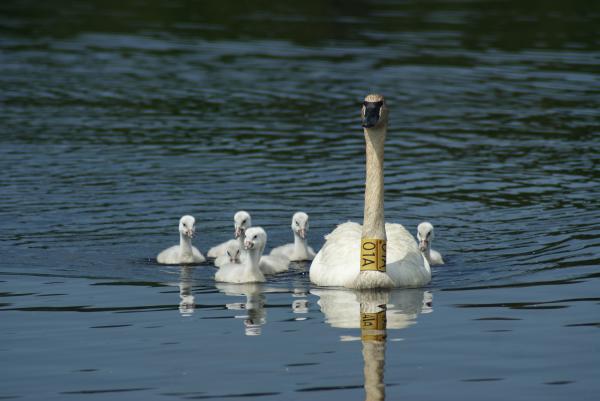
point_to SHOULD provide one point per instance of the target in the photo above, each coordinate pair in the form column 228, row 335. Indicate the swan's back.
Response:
column 172, row 256
column 337, row 263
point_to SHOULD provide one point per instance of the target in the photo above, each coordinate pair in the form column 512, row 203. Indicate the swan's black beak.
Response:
column 370, row 116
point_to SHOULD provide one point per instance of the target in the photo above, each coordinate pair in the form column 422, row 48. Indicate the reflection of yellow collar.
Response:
column 373, row 325
column 372, row 254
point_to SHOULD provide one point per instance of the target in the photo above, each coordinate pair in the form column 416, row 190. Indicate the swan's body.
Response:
column 241, row 221
column 425, row 236
column 185, row 252
column 273, row 264
column 338, row 263
column 248, row 271
column 299, row 250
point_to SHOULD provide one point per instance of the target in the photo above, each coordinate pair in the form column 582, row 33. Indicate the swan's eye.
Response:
column 255, row 237
column 244, row 221
column 228, row 254
column 297, row 223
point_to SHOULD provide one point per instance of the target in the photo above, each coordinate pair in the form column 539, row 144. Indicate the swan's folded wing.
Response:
column 169, row 256
column 405, row 263
column 198, row 257
column 271, row 264
column 338, row 260
column 283, row 250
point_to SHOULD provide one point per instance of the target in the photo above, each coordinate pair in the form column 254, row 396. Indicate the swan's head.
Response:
column 187, row 226
column 374, row 112
column 241, row 222
column 256, row 238
column 233, row 252
column 300, row 224
column 424, row 235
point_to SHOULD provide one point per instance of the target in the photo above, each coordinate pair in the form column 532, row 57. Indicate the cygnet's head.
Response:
column 187, row 226
column 424, row 235
column 233, row 252
column 241, row 222
column 374, row 112
column 256, row 238
column 300, row 224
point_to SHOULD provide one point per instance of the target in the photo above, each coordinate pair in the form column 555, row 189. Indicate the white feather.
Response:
column 337, row 264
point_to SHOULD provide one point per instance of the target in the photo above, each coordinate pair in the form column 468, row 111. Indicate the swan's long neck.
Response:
column 373, row 231
column 373, row 334
column 185, row 245
column 300, row 246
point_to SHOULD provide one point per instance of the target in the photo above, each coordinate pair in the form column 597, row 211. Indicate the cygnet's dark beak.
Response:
column 370, row 117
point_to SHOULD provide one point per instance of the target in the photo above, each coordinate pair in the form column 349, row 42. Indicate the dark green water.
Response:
column 116, row 118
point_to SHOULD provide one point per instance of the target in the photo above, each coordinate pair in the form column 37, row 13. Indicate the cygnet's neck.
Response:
column 374, row 219
column 427, row 253
column 251, row 260
column 300, row 245
column 185, row 245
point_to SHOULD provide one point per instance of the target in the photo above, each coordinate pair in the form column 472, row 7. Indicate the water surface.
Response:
column 119, row 117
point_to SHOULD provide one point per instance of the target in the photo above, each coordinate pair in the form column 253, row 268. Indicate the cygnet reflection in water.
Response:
column 187, row 303
column 256, row 315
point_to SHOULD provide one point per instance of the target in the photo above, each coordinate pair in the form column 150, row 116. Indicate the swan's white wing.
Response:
column 337, row 263
column 220, row 249
column 436, row 257
column 198, row 257
column 272, row 264
column 169, row 256
column 405, row 263
column 283, row 250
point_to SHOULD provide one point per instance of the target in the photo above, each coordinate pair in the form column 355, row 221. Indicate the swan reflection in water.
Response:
column 374, row 312
column 254, row 306
column 187, row 303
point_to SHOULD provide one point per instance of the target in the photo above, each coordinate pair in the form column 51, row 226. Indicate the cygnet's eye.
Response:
column 255, row 237
column 238, row 252
column 428, row 234
column 297, row 223
column 244, row 221
column 228, row 254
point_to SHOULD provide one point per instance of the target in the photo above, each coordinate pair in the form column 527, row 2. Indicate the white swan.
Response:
column 299, row 250
column 355, row 256
column 248, row 271
column 232, row 254
column 241, row 222
column 184, row 252
column 425, row 236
